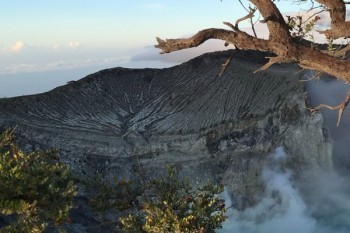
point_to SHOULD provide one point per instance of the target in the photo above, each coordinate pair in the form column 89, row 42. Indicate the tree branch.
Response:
column 341, row 107
column 280, row 42
column 248, row 16
column 274, row 20
column 224, row 66
column 339, row 27
column 306, row 57
column 240, row 39
column 171, row 45
column 316, row 60
column 272, row 61
column 339, row 53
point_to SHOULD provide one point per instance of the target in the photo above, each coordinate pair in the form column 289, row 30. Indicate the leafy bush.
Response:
column 175, row 206
column 104, row 195
column 35, row 188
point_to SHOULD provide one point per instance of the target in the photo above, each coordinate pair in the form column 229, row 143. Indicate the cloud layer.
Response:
column 23, row 57
column 17, row 47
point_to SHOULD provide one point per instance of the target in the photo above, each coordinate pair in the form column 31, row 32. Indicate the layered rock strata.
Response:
column 130, row 123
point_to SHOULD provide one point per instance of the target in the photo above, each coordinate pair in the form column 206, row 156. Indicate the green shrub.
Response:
column 35, row 188
column 116, row 196
column 174, row 206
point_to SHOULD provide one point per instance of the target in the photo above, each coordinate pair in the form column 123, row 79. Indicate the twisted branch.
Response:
column 339, row 27
column 341, row 107
column 280, row 42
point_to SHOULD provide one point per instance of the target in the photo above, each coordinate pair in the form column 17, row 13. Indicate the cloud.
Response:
column 60, row 56
column 17, row 47
column 66, row 46
column 30, row 67
column 56, row 46
column 74, row 44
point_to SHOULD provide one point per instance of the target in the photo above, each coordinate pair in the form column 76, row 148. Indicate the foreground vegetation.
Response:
column 36, row 190
column 175, row 206
column 168, row 204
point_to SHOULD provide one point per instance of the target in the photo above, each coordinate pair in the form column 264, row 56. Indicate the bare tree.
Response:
column 287, row 45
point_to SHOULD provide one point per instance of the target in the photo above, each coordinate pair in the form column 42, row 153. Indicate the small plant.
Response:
column 104, row 195
column 330, row 45
column 299, row 28
column 35, row 188
column 176, row 206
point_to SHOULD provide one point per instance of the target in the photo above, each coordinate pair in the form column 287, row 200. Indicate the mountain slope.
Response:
column 131, row 122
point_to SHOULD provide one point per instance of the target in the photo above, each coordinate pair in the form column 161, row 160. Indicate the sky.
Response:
column 45, row 43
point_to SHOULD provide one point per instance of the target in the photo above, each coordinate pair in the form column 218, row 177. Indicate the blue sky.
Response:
column 84, row 35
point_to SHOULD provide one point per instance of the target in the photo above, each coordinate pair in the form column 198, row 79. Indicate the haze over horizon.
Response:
column 45, row 44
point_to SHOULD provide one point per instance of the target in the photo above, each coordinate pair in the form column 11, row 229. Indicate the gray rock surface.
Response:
column 130, row 123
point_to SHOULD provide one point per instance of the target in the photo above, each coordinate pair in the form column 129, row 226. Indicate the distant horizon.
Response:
column 36, row 82
column 69, row 39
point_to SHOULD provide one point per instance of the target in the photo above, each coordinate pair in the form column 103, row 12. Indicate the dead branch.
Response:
column 339, row 53
column 279, row 30
column 252, row 23
column 272, row 61
column 171, row 45
column 230, row 25
column 341, row 107
column 280, row 42
column 248, row 16
column 316, row 76
column 307, row 57
column 313, row 15
column 224, row 66
column 242, row 39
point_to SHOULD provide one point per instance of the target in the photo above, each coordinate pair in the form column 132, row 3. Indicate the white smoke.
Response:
column 285, row 208
column 328, row 198
column 332, row 93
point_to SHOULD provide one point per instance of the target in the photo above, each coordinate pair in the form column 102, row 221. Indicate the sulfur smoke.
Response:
column 318, row 204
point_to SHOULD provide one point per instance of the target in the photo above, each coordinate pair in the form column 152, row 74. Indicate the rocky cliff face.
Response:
column 130, row 123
